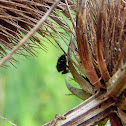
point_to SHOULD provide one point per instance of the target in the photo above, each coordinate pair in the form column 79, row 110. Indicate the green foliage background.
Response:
column 33, row 92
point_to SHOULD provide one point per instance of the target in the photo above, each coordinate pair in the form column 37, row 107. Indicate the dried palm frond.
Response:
column 17, row 18
column 96, row 51
column 99, row 49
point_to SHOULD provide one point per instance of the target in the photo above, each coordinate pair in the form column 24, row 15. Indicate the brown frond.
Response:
column 96, row 51
column 83, row 42
column 17, row 18
column 101, row 37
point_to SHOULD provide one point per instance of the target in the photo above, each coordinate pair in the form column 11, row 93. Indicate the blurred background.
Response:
column 32, row 92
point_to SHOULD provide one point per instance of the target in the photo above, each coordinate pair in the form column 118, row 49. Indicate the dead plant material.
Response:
column 98, row 47
column 96, row 51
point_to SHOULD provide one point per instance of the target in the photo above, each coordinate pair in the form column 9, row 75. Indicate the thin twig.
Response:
column 29, row 34
column 70, row 15
column 7, row 121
